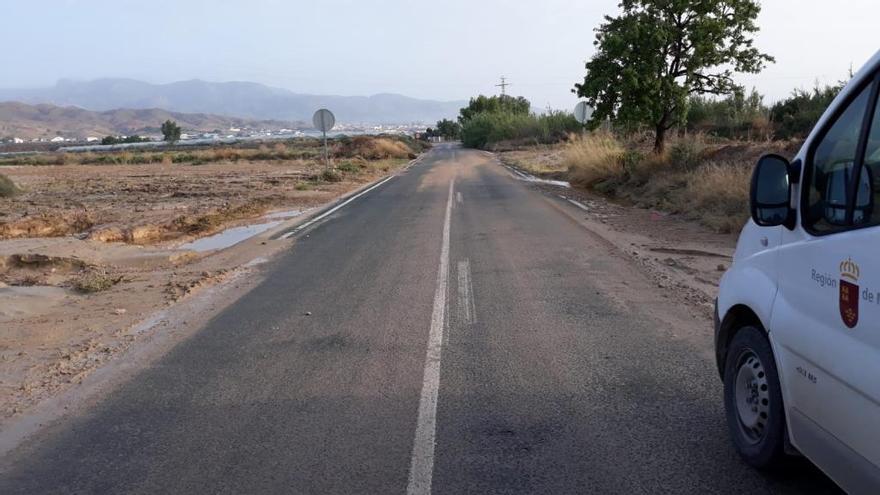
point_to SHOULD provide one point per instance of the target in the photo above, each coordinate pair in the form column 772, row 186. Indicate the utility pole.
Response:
column 504, row 84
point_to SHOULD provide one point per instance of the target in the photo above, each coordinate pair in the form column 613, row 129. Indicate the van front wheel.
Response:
column 753, row 399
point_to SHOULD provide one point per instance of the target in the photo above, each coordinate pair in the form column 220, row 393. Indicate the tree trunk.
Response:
column 660, row 139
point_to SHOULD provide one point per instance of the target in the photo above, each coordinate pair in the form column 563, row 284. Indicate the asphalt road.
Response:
column 451, row 331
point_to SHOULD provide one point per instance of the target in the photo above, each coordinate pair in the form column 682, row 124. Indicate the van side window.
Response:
column 869, row 182
column 833, row 165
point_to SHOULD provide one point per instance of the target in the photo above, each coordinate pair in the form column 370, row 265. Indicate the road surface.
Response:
column 451, row 331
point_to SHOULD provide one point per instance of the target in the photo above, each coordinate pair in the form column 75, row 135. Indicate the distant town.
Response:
column 411, row 129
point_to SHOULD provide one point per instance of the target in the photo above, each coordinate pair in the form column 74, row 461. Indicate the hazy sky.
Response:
column 450, row 49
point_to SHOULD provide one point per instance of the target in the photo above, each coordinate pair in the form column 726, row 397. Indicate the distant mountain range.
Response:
column 21, row 120
column 234, row 99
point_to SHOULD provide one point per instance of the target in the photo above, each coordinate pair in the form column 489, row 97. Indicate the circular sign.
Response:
column 323, row 120
column 583, row 112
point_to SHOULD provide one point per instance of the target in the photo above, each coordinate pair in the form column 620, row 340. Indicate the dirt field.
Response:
column 88, row 252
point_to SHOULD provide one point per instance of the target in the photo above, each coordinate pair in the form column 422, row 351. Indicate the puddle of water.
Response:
column 229, row 237
column 283, row 214
column 234, row 235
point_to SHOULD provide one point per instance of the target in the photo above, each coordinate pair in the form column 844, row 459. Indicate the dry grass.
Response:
column 718, row 193
column 701, row 179
column 8, row 188
column 593, row 158
column 386, row 148
column 373, row 148
column 91, row 282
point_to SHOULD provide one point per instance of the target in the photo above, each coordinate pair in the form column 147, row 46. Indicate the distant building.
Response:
column 57, row 139
column 17, row 140
column 92, row 139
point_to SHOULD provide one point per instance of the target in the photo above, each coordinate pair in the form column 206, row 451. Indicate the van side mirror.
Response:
column 770, row 194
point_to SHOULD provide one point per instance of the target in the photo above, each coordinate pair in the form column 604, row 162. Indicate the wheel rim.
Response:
column 752, row 397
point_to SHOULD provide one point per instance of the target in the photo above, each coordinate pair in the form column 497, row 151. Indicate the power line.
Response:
column 504, row 84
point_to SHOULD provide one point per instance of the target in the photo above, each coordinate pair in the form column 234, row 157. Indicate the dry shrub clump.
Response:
column 8, row 188
column 95, row 281
column 374, row 148
column 593, row 158
column 691, row 178
column 386, row 148
column 719, row 194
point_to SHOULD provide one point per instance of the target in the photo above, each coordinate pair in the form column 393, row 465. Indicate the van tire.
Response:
column 753, row 399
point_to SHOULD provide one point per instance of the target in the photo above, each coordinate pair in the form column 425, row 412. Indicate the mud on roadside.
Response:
column 678, row 254
column 87, row 252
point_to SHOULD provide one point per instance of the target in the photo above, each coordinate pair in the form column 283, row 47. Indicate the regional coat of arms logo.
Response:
column 849, row 293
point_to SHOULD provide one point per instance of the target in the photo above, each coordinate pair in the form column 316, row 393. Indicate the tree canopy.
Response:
column 449, row 129
column 656, row 54
column 171, row 131
column 796, row 115
column 493, row 104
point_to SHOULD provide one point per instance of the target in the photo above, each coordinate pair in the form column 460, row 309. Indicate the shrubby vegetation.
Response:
column 737, row 116
column 124, row 139
column 7, row 187
column 796, row 115
column 741, row 116
column 700, row 177
column 171, row 131
column 494, row 104
column 366, row 147
column 447, row 129
column 489, row 120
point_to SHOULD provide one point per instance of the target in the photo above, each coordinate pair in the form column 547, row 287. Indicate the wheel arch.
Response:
column 738, row 316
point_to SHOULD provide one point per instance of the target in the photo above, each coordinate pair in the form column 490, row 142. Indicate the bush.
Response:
column 795, row 116
column 8, row 188
column 94, row 282
column 371, row 147
column 719, row 195
column 736, row 116
column 492, row 127
column 687, row 152
column 331, row 175
column 349, row 166
column 595, row 157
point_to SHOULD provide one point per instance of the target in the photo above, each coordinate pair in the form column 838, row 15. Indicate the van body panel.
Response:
column 830, row 370
column 818, row 296
column 852, row 472
column 752, row 278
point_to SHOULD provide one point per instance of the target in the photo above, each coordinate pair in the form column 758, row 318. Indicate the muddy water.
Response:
column 229, row 237
column 19, row 302
column 234, row 235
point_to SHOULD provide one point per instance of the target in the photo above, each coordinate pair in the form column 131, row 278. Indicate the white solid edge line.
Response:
column 422, row 466
column 578, row 204
column 335, row 208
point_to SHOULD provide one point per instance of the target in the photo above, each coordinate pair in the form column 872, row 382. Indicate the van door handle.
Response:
column 764, row 241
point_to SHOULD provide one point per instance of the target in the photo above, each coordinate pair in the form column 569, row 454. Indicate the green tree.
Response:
column 797, row 114
column 493, row 104
column 171, row 131
column 739, row 114
column 657, row 53
column 449, row 129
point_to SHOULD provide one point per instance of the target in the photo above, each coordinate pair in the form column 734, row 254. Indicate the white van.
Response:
column 797, row 333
